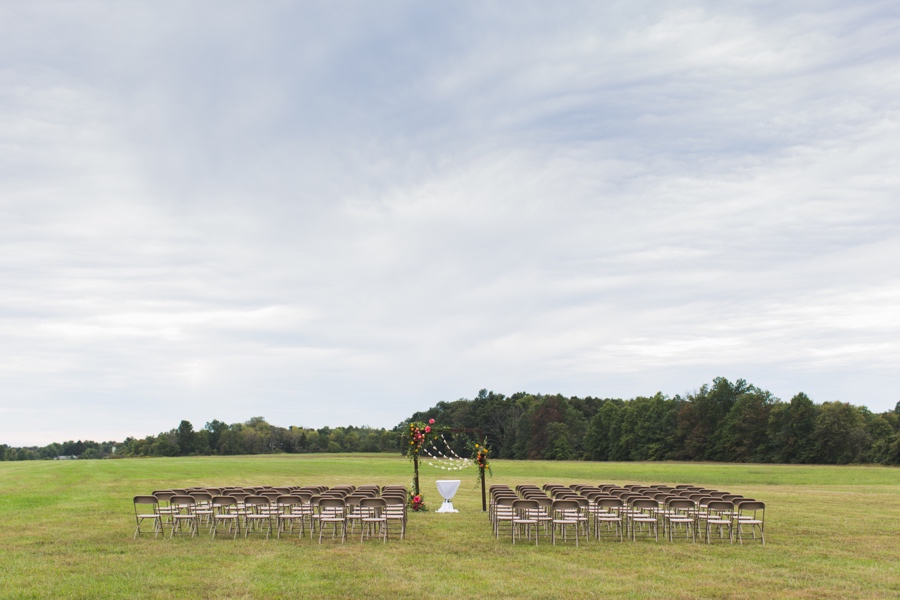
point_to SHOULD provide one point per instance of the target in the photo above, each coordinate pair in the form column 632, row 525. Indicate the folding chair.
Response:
column 721, row 516
column 644, row 511
column 333, row 511
column 525, row 514
column 565, row 513
column 153, row 514
column 372, row 512
column 184, row 511
column 611, row 511
column 681, row 511
column 257, row 513
column 288, row 510
column 503, row 511
column 225, row 510
column 395, row 510
column 752, row 513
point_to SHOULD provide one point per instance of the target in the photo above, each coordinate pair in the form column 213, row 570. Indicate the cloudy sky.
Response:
column 332, row 213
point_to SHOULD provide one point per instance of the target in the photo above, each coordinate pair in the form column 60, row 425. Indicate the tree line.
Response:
column 724, row 421
column 255, row 436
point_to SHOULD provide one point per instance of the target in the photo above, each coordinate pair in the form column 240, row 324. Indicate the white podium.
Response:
column 447, row 489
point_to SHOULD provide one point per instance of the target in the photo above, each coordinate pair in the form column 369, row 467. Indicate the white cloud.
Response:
column 336, row 215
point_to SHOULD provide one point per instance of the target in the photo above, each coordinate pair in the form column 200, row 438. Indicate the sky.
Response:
column 335, row 213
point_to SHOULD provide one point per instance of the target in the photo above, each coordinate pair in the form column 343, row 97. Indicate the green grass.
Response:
column 66, row 527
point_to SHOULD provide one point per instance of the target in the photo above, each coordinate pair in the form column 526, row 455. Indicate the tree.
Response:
column 744, row 431
column 231, row 441
column 598, row 439
column 791, row 430
column 840, row 433
column 184, row 438
column 558, row 446
column 647, row 428
column 215, row 429
column 700, row 420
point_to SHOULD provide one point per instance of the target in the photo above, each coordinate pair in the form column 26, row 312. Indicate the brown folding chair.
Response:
column 146, row 507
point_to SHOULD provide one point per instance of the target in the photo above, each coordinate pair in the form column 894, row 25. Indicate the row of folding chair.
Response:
column 185, row 511
column 689, row 507
column 529, row 513
column 625, row 511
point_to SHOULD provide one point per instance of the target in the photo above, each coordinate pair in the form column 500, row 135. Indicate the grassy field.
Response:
column 66, row 527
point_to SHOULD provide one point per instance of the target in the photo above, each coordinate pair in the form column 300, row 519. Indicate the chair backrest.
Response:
column 720, row 506
column 147, row 500
column 163, row 496
column 681, row 504
column 354, row 499
column 642, row 503
column 289, row 500
column 256, row 501
column 610, row 503
column 394, row 500
column 525, row 504
column 183, row 501
column 224, row 500
column 201, row 496
column 565, row 505
column 751, row 505
column 534, row 495
column 331, row 502
column 372, row 503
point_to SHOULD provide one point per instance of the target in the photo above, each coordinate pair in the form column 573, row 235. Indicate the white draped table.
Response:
column 447, row 489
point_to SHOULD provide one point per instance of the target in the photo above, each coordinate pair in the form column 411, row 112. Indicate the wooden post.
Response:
column 483, row 501
column 416, row 476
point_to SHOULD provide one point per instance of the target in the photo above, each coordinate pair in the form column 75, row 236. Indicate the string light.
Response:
column 442, row 461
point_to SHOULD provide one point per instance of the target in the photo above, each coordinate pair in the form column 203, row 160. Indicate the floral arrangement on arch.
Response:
column 480, row 458
column 417, row 503
column 419, row 433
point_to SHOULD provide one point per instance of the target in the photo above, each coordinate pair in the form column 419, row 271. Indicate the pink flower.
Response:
column 431, row 421
column 427, row 429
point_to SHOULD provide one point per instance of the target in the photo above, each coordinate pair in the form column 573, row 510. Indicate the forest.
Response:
column 723, row 422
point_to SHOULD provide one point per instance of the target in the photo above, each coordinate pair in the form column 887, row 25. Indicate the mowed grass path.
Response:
column 66, row 527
